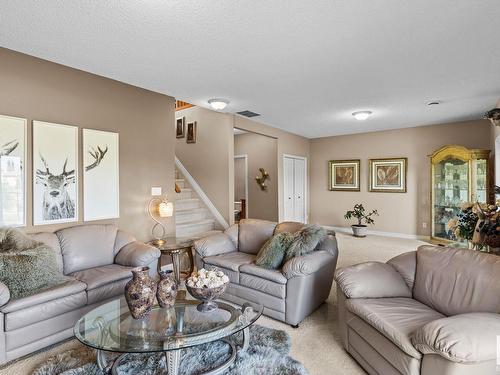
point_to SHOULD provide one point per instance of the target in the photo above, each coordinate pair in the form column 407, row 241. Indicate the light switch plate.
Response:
column 155, row 191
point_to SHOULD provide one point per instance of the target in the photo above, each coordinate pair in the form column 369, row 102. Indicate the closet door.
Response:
column 288, row 189
column 299, row 188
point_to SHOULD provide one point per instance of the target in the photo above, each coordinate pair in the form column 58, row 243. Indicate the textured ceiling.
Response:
column 304, row 65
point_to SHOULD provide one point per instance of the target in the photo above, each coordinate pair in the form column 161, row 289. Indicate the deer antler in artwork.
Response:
column 8, row 147
column 98, row 155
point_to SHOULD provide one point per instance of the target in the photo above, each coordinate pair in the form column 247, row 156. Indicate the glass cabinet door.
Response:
column 451, row 191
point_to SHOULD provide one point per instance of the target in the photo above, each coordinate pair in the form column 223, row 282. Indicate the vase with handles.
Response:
column 167, row 289
column 140, row 293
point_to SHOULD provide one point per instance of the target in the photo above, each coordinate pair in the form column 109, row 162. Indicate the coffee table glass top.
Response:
column 110, row 326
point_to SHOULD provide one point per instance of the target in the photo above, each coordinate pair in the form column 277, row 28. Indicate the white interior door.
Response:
column 294, row 189
column 299, row 208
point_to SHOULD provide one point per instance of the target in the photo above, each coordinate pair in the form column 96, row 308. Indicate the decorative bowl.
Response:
column 207, row 296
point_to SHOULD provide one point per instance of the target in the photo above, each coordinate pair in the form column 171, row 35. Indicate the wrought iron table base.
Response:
column 173, row 358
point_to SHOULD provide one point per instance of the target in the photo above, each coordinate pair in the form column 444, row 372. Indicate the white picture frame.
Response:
column 101, row 175
column 55, row 173
column 13, row 175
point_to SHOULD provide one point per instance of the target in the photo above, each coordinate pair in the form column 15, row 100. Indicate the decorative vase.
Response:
column 359, row 230
column 140, row 293
column 167, row 289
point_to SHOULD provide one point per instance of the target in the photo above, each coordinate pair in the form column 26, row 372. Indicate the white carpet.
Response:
column 316, row 343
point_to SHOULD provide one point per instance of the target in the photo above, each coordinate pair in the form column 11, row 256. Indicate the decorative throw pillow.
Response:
column 305, row 241
column 271, row 255
column 26, row 266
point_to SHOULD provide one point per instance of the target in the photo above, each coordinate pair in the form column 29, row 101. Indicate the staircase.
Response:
column 192, row 218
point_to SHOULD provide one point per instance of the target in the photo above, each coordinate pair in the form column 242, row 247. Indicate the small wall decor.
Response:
column 101, row 181
column 180, row 127
column 191, row 132
column 344, row 175
column 494, row 116
column 261, row 180
column 55, row 173
column 12, row 171
column 388, row 175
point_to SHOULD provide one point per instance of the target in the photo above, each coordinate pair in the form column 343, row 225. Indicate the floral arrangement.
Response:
column 464, row 226
column 207, row 279
column 488, row 227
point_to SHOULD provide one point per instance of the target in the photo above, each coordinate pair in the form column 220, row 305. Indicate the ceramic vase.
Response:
column 140, row 293
column 167, row 289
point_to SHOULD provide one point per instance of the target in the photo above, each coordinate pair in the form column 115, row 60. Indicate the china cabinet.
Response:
column 458, row 175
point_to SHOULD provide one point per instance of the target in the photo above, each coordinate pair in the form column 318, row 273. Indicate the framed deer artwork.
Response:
column 55, row 173
column 12, row 171
column 101, row 180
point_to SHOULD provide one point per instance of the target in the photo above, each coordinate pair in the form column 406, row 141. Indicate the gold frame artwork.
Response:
column 333, row 184
column 191, row 135
column 180, row 127
column 401, row 188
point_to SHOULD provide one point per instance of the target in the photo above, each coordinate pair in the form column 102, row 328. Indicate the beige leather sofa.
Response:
column 97, row 261
column 432, row 312
column 289, row 294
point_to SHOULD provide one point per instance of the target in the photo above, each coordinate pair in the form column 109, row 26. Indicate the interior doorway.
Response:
column 255, row 176
column 240, row 187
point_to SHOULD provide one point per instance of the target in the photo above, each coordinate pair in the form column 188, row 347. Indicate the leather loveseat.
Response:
column 431, row 312
column 289, row 294
column 97, row 261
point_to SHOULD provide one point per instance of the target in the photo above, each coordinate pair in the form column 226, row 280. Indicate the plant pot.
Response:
column 140, row 293
column 359, row 230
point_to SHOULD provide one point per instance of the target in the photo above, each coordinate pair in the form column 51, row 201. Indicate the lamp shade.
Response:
column 166, row 209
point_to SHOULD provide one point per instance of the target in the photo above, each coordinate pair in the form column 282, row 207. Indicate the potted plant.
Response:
column 359, row 212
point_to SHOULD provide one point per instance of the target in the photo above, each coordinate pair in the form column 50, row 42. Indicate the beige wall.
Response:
column 262, row 152
column 40, row 90
column 401, row 213
column 210, row 159
column 288, row 144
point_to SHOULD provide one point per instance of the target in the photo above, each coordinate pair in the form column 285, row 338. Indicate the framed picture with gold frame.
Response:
column 344, row 175
column 388, row 175
column 180, row 127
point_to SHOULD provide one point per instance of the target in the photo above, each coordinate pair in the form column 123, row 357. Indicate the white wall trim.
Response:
column 383, row 234
column 245, row 156
column 197, row 188
column 306, row 183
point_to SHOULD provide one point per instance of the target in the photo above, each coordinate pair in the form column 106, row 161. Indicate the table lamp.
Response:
column 161, row 207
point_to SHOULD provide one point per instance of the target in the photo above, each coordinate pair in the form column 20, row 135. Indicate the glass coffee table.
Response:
column 110, row 327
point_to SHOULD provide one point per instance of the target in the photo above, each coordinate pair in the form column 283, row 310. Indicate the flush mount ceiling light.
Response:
column 362, row 115
column 218, row 104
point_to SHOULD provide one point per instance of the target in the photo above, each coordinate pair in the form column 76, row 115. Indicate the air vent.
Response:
column 248, row 114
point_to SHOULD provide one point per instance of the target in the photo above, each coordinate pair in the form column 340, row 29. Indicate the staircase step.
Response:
column 186, row 204
column 180, row 182
column 185, row 216
column 200, row 235
column 185, row 193
column 194, row 228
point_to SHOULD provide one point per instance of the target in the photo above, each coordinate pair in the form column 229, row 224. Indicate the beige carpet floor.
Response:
column 316, row 342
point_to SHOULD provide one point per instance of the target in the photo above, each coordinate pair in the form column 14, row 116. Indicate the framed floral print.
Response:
column 388, row 175
column 344, row 175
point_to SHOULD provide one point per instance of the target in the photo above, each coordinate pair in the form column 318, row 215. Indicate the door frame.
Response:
column 306, row 183
column 244, row 156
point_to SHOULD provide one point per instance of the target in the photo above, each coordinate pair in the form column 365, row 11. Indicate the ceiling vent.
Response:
column 248, row 114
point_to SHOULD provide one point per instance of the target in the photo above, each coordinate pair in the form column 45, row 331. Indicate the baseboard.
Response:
column 383, row 234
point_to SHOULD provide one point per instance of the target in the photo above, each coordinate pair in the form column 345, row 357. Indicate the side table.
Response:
column 175, row 247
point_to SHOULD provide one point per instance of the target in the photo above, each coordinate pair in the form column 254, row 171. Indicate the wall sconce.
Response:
column 494, row 116
column 159, row 207
column 261, row 180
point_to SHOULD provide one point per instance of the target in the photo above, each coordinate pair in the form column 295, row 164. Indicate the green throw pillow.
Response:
column 26, row 266
column 305, row 241
column 271, row 255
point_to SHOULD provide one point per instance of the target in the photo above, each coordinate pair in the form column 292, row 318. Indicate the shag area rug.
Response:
column 268, row 353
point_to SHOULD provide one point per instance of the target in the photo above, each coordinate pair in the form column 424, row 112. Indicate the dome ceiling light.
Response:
column 362, row 115
column 218, row 104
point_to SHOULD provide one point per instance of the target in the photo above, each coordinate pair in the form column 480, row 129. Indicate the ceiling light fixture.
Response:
column 434, row 102
column 362, row 115
column 218, row 104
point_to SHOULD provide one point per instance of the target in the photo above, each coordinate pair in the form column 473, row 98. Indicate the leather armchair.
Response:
column 433, row 311
column 96, row 260
column 289, row 294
